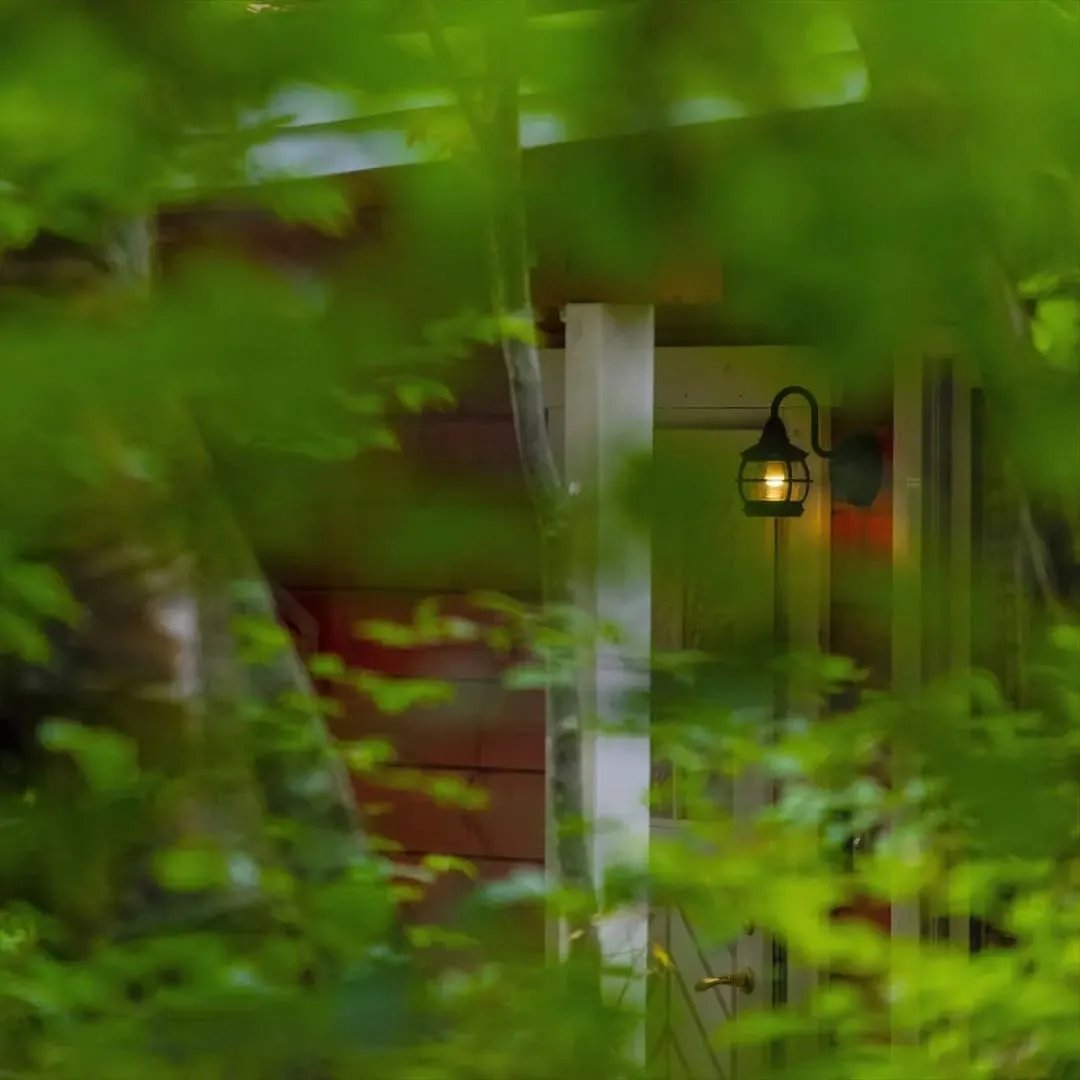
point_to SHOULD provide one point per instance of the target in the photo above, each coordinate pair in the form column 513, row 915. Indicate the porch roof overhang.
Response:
column 705, row 284
column 379, row 151
column 319, row 132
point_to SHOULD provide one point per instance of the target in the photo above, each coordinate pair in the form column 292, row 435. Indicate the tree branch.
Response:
column 499, row 146
column 444, row 57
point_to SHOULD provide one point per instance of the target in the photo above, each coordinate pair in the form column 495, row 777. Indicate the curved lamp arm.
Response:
column 815, row 433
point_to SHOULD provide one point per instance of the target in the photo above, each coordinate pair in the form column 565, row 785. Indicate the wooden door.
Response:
column 717, row 583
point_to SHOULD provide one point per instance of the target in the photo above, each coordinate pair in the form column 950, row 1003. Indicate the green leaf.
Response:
column 191, row 869
column 520, row 887
column 107, row 759
column 396, row 696
column 528, row 677
column 514, row 328
column 322, row 204
column 416, row 395
column 428, row 620
column 1066, row 637
column 262, row 640
column 42, row 590
column 762, row 1028
column 450, row 791
column 367, row 755
column 18, row 222
column 837, row 671
column 375, row 437
column 431, row 937
column 1056, row 331
column 328, row 666
column 23, row 637
column 448, row 864
column 500, row 604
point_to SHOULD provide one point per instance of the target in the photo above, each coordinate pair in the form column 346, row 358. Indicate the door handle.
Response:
column 741, row 980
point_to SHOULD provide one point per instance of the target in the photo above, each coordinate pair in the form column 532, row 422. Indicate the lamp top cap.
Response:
column 774, row 444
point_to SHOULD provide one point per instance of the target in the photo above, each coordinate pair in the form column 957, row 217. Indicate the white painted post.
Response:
column 608, row 402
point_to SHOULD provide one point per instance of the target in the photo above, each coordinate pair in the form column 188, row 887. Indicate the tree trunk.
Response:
column 212, row 578
column 498, row 145
column 512, row 299
column 307, row 783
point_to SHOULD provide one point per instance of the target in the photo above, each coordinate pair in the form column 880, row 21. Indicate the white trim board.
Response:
column 713, row 377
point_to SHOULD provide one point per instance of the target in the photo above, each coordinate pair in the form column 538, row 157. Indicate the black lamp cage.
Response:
column 774, row 477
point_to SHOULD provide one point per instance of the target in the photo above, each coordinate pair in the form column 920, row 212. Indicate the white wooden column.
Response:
column 608, row 415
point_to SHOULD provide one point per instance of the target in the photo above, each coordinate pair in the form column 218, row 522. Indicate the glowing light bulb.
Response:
column 776, row 482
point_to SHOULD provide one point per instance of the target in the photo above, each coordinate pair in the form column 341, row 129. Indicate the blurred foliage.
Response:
column 863, row 173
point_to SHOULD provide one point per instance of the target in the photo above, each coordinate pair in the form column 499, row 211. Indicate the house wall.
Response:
column 488, row 736
column 861, row 561
column 442, row 516
column 860, row 603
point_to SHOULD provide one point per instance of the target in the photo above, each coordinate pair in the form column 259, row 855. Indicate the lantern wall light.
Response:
column 774, row 478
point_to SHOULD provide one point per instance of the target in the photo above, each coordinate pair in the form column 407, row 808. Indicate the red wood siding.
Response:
column 488, row 736
column 440, row 517
column 506, row 831
column 446, row 513
column 861, row 574
column 867, row 532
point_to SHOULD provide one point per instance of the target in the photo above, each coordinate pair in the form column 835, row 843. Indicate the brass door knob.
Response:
column 741, row 980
